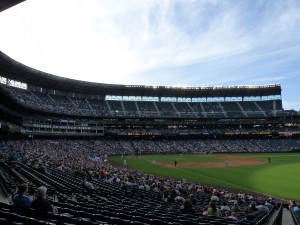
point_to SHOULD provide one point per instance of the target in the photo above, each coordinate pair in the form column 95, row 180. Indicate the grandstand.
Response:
column 91, row 99
column 70, row 122
column 45, row 104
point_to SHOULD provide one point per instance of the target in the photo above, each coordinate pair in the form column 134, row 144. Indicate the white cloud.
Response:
column 60, row 38
column 152, row 41
column 268, row 80
column 111, row 39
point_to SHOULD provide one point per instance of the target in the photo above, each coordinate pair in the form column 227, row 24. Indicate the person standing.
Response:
column 125, row 164
column 226, row 162
column 153, row 162
column 175, row 163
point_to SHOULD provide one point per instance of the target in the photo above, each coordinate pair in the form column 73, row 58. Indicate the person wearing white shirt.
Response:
column 225, row 207
column 214, row 198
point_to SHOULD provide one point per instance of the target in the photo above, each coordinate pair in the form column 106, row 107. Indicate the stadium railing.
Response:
column 276, row 219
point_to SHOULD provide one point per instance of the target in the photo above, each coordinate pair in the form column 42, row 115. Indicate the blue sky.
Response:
column 160, row 42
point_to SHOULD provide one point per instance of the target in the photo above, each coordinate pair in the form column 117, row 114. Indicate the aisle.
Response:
column 3, row 198
column 287, row 217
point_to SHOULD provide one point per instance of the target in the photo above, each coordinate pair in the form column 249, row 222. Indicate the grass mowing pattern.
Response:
column 280, row 178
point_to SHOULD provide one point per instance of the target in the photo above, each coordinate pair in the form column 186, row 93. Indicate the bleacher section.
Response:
column 100, row 107
column 113, row 147
column 296, row 217
column 105, row 108
column 112, row 203
column 120, row 197
column 130, row 109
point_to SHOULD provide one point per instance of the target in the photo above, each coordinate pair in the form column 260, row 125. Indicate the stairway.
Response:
column 287, row 217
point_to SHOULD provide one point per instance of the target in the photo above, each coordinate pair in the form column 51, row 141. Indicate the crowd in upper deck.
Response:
column 93, row 107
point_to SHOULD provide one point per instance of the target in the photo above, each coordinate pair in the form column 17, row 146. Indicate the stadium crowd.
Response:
column 88, row 160
column 70, row 105
column 48, row 151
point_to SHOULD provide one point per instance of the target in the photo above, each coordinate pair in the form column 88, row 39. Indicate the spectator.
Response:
column 13, row 156
column 262, row 207
column 233, row 216
column 102, row 173
column 42, row 169
column 205, row 211
column 22, row 201
column 248, row 215
column 271, row 201
column 213, row 210
column 87, row 184
column 296, row 208
column 252, row 207
column 214, row 198
column 41, row 203
column 188, row 207
column 235, row 208
column 292, row 204
column 225, row 207
column 179, row 198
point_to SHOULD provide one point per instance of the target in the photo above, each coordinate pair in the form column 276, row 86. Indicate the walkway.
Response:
column 287, row 217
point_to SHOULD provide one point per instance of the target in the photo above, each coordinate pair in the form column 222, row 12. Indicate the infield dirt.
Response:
column 228, row 161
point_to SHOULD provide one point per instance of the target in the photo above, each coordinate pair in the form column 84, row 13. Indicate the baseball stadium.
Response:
column 87, row 153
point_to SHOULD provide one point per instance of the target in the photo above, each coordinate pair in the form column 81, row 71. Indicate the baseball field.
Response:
column 274, row 174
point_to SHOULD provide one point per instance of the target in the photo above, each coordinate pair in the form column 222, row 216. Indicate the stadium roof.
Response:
column 5, row 4
column 14, row 70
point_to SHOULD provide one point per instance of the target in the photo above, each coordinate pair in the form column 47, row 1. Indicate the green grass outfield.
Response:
column 280, row 178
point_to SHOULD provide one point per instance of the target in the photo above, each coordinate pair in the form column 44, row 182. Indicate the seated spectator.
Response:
column 13, row 157
column 252, row 208
column 271, row 201
column 179, row 198
column 22, row 201
column 292, row 204
column 41, row 203
column 262, row 207
column 42, row 169
column 248, row 215
column 87, row 184
column 296, row 208
column 188, row 207
column 205, row 211
column 213, row 210
column 269, row 204
column 60, row 168
column 235, row 208
column 233, row 216
column 214, row 198
column 225, row 207
column 102, row 173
